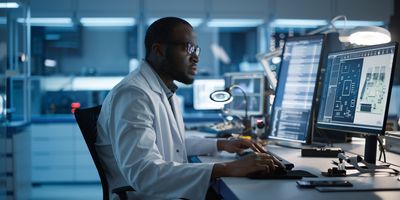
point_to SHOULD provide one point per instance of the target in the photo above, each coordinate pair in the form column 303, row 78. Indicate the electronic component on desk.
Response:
column 330, row 152
column 392, row 141
column 323, row 183
column 334, row 172
column 260, row 128
column 222, row 129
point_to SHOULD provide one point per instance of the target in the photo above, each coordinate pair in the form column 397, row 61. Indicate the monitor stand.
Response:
column 370, row 148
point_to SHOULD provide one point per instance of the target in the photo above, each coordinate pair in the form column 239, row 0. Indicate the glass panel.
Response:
column 75, row 66
column 13, row 64
column 18, row 99
column 240, row 45
column 3, row 66
column 17, row 67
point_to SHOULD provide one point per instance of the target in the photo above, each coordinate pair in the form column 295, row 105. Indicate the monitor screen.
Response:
column 291, row 118
column 202, row 88
column 356, row 89
column 253, row 85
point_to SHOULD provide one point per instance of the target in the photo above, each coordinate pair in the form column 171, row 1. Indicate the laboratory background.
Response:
column 57, row 56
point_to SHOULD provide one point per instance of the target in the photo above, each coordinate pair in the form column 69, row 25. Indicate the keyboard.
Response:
column 288, row 165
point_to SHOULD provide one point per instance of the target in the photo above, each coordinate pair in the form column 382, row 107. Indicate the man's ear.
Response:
column 158, row 49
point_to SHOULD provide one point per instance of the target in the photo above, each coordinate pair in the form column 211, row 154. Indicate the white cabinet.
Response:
column 60, row 155
column 18, row 162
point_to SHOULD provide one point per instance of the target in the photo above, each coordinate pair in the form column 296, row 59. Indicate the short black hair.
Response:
column 160, row 31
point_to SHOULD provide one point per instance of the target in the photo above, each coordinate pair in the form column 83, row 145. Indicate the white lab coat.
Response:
column 142, row 143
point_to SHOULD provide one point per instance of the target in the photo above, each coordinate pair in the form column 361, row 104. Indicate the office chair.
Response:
column 87, row 122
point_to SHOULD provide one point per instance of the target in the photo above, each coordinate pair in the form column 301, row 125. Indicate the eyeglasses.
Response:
column 190, row 48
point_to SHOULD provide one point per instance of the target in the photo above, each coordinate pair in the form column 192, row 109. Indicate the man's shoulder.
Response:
column 136, row 83
column 131, row 83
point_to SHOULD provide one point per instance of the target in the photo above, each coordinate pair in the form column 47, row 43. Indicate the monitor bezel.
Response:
column 350, row 128
column 308, row 136
column 255, row 74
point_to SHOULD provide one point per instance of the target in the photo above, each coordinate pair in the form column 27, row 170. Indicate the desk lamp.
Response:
column 360, row 35
column 264, row 58
column 225, row 96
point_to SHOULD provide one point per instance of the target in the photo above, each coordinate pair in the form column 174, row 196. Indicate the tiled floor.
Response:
column 67, row 192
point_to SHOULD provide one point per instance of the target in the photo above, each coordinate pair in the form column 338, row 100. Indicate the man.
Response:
column 141, row 137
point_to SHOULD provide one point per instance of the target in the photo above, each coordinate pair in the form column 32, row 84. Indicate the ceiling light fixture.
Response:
column 107, row 21
column 47, row 21
column 9, row 5
column 233, row 23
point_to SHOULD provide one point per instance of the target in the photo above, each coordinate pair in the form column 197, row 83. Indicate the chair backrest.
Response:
column 87, row 121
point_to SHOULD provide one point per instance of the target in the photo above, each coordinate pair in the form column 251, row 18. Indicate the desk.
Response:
column 244, row 188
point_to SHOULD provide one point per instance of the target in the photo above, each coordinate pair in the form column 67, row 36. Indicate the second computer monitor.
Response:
column 291, row 118
column 356, row 93
column 357, row 89
column 202, row 88
column 253, row 84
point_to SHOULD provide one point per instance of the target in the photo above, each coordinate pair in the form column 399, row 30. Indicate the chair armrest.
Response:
column 121, row 191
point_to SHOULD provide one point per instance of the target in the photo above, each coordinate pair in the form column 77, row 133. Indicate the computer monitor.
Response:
column 253, row 84
column 356, row 91
column 202, row 88
column 291, row 118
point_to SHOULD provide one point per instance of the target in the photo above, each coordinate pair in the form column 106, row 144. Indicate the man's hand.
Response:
column 245, row 165
column 259, row 161
column 238, row 145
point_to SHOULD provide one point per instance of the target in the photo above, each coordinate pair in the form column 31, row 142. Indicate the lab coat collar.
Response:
column 148, row 70
column 151, row 78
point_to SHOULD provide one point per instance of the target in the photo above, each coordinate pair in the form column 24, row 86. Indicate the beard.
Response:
column 176, row 70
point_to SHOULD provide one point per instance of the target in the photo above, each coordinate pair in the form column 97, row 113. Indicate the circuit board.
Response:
column 347, row 90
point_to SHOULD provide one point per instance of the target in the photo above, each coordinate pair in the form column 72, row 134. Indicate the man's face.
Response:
column 178, row 64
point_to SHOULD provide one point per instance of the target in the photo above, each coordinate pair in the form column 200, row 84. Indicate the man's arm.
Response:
column 134, row 141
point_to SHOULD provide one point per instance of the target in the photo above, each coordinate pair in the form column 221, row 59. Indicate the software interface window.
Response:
column 295, row 90
column 357, row 88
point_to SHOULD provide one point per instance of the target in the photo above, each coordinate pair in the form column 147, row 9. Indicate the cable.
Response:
column 381, row 149
column 325, row 138
column 393, row 164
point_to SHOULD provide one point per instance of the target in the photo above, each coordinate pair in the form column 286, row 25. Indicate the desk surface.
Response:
column 244, row 188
